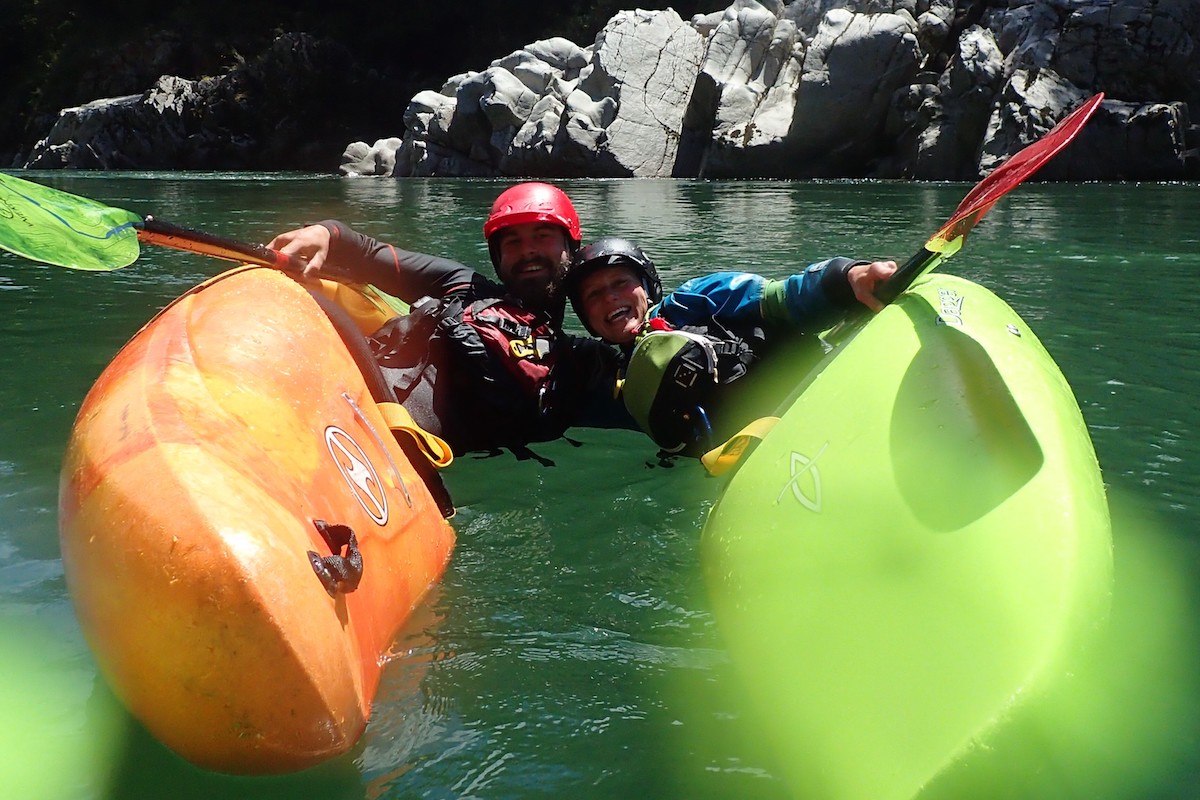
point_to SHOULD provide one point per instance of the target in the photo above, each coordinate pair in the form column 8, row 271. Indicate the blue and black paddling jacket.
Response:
column 689, row 396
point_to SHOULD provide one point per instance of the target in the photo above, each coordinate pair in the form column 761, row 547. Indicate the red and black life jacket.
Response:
column 522, row 341
column 490, row 361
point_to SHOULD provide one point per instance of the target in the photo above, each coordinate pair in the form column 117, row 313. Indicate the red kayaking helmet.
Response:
column 531, row 202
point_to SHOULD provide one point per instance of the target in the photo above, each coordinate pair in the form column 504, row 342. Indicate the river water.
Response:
column 570, row 649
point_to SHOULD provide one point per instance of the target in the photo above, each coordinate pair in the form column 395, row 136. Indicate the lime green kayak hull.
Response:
column 916, row 550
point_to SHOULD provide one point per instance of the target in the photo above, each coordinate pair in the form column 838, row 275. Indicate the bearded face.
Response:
column 533, row 258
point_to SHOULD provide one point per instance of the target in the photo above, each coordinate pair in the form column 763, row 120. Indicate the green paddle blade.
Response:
column 44, row 224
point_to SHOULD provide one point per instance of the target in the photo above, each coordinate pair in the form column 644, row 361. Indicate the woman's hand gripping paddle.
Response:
column 66, row 230
column 950, row 237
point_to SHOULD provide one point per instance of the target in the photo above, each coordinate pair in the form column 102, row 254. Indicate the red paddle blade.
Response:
column 950, row 237
column 1013, row 171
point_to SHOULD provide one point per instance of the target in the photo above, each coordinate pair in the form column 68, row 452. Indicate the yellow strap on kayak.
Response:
column 434, row 447
column 721, row 459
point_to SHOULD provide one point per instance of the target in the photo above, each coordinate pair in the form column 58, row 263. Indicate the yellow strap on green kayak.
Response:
column 721, row 459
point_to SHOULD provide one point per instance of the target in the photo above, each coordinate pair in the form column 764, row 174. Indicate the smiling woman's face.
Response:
column 614, row 303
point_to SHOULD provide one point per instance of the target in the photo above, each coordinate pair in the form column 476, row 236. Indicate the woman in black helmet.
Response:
column 720, row 324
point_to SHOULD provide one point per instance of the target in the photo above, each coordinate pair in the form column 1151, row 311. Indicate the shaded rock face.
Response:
column 926, row 89
column 160, row 129
column 256, row 116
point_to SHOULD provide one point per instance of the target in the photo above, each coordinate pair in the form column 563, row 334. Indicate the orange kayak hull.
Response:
column 196, row 472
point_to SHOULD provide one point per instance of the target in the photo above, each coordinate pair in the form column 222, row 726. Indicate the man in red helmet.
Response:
column 483, row 365
column 524, row 232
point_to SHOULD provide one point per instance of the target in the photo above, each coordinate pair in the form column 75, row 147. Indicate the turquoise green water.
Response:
column 570, row 650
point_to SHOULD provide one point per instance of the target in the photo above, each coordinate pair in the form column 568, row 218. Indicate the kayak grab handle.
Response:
column 336, row 572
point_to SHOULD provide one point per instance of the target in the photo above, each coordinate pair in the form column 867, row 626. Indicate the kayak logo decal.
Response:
column 805, row 480
column 951, row 312
column 360, row 475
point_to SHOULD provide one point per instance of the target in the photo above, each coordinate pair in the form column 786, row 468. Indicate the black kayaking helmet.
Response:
column 610, row 251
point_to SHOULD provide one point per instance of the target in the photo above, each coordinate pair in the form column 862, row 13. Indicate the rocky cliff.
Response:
column 926, row 89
